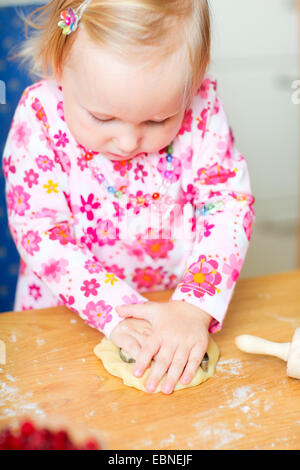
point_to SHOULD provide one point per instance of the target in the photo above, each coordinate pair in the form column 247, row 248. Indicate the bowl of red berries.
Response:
column 29, row 434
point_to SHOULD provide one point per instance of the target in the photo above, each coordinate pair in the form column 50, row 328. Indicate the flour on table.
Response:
column 240, row 395
column 229, row 366
column 217, row 434
column 17, row 401
column 40, row 342
column 166, row 442
column 13, row 338
column 10, row 377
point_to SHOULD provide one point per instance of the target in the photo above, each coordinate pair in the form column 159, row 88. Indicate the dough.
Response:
column 108, row 352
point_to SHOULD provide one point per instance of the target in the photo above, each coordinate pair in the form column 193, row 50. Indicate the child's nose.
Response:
column 128, row 142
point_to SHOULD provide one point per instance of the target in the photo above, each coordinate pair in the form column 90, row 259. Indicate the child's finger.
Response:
column 175, row 370
column 193, row 363
column 130, row 344
column 160, row 366
column 139, row 325
column 141, row 310
column 141, row 338
column 149, row 349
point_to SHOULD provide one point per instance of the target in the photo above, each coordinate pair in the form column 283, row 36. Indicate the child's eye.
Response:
column 98, row 119
column 157, row 122
column 108, row 120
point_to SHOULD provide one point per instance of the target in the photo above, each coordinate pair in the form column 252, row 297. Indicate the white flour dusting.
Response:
column 73, row 320
column 8, row 412
column 10, row 377
column 252, row 408
column 238, row 424
column 229, row 366
column 165, row 442
column 255, row 425
column 17, row 401
column 219, row 433
column 255, row 410
column 114, row 405
column 31, row 407
column 13, row 338
column 40, row 342
column 240, row 395
column 142, row 444
column 149, row 428
column 147, row 442
column 264, row 296
column 245, row 409
column 7, row 392
column 268, row 405
column 256, row 402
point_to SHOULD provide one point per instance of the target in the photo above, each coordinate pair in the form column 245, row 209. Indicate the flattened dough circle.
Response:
column 108, row 352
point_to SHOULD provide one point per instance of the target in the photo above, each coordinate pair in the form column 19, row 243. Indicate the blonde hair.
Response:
column 122, row 26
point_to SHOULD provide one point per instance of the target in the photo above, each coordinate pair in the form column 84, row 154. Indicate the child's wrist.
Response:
column 206, row 317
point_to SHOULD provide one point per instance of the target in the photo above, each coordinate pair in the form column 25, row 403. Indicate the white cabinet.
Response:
column 255, row 60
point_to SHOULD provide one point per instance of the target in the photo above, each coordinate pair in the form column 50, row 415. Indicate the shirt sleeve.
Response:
column 223, row 213
column 42, row 223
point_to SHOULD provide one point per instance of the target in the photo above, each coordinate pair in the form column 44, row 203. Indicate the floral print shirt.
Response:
column 92, row 232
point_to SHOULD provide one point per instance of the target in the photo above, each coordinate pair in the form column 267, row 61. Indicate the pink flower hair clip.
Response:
column 70, row 18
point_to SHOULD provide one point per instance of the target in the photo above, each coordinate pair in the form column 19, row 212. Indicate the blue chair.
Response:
column 13, row 81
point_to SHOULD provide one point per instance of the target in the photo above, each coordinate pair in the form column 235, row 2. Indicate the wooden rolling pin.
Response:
column 289, row 352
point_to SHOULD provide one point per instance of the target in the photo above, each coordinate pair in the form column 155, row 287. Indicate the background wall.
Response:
column 20, row 2
column 255, row 60
column 15, row 79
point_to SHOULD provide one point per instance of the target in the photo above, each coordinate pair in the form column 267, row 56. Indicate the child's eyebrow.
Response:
column 96, row 113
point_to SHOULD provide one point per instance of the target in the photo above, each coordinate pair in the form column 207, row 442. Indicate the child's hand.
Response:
column 179, row 339
column 130, row 334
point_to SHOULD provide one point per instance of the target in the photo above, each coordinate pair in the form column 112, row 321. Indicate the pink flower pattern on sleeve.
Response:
column 84, row 248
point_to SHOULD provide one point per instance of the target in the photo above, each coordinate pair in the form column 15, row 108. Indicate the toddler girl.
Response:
column 122, row 178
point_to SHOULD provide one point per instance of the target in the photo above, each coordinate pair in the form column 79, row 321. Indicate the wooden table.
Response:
column 249, row 404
